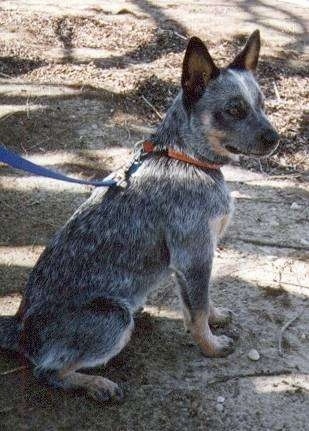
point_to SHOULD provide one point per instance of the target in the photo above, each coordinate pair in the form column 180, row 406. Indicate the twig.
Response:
column 290, row 284
column 5, row 75
column 27, row 107
column 6, row 116
column 283, row 177
column 261, row 167
column 222, row 379
column 266, row 243
column 14, row 370
column 284, row 328
column 141, row 129
column 277, row 92
column 9, row 206
column 152, row 107
column 181, row 36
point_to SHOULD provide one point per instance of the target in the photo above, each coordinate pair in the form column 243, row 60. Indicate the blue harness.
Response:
column 15, row 161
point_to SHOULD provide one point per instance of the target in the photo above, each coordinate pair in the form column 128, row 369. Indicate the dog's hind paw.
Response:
column 104, row 391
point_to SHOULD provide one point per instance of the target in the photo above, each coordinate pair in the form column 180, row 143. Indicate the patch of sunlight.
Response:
column 9, row 304
column 237, row 174
column 62, row 157
column 24, row 256
column 113, row 158
column 285, row 383
column 54, row 158
column 162, row 312
column 81, row 54
column 69, row 7
column 34, row 183
column 296, row 2
column 8, row 110
column 293, row 279
column 236, row 194
column 34, row 90
column 265, row 271
column 277, row 183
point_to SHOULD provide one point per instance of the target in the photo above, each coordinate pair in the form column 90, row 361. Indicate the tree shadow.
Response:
column 64, row 33
column 250, row 7
column 13, row 66
column 66, row 122
column 167, row 381
column 163, row 41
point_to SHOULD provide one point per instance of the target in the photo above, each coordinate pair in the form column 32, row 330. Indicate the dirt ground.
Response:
column 75, row 79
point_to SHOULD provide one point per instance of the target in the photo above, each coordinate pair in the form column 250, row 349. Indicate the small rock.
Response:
column 219, row 407
column 220, row 400
column 303, row 336
column 295, row 206
column 253, row 355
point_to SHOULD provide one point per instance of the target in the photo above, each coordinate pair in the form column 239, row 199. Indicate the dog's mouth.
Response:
column 232, row 150
column 265, row 153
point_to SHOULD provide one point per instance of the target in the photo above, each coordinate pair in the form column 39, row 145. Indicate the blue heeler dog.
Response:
column 78, row 306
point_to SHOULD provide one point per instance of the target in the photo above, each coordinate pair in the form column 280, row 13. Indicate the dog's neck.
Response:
column 176, row 131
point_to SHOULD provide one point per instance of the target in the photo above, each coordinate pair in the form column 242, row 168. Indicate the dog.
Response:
column 79, row 302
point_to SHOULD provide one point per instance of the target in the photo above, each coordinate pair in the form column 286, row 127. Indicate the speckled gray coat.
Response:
column 80, row 298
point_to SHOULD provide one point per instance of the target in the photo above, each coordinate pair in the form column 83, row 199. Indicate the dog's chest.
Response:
column 218, row 225
column 220, row 222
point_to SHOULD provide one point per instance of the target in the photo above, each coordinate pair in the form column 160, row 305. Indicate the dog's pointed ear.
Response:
column 248, row 57
column 197, row 70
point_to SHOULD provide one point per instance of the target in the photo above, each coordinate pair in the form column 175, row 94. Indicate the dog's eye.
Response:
column 237, row 112
column 234, row 111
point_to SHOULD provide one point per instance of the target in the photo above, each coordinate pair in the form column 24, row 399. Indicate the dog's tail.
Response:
column 10, row 330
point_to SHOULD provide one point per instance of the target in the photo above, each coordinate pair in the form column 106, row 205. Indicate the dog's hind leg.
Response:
column 79, row 339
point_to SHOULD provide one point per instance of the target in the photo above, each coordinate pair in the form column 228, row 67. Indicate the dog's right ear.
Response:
column 197, row 70
column 248, row 57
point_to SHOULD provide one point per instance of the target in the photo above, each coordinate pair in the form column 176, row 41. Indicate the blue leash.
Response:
column 18, row 162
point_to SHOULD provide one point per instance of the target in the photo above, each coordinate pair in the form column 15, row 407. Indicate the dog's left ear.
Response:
column 197, row 70
column 248, row 57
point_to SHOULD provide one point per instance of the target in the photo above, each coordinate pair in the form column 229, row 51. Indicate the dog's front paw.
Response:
column 218, row 346
column 220, row 316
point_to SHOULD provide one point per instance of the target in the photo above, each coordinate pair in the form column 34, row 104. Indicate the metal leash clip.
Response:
column 123, row 174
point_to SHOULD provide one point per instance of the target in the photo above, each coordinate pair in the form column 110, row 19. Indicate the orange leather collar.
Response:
column 149, row 147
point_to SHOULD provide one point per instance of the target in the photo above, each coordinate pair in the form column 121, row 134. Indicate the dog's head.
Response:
column 226, row 106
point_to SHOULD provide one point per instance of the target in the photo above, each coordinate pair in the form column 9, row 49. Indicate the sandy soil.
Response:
column 73, row 81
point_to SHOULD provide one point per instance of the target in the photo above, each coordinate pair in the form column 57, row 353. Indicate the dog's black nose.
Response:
column 269, row 137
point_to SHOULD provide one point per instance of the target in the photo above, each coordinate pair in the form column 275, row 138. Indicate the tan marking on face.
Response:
column 215, row 137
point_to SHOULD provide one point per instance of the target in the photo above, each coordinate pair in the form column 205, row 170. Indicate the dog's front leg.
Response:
column 193, row 273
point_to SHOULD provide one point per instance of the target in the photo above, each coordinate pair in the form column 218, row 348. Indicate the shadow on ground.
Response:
column 168, row 384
